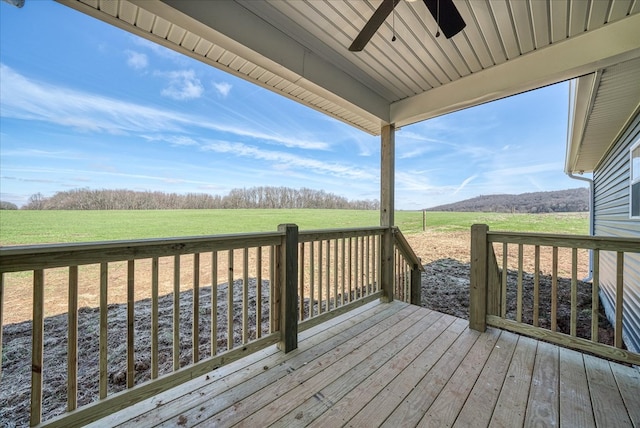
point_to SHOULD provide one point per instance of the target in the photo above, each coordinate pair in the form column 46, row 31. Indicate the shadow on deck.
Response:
column 401, row 365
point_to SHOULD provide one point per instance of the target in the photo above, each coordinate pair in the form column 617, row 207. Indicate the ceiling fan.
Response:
column 444, row 12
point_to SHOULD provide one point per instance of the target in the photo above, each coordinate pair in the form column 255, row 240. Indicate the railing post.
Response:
column 478, row 285
column 286, row 286
column 416, row 285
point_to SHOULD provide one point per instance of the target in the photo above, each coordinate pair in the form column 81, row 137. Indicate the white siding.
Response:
column 611, row 208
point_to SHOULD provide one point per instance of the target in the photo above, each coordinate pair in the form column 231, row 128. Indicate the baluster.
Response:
column 104, row 285
column 176, row 312
column 195, row 326
column 595, row 296
column 72, row 340
column 130, row 323
column 230, row 288
column 37, row 347
column 574, row 292
column 214, row 303
column 154, row 317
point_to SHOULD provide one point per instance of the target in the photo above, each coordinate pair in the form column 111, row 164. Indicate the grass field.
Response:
column 35, row 227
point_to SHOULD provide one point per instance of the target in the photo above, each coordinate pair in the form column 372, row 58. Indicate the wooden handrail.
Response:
column 46, row 256
column 405, row 249
column 604, row 243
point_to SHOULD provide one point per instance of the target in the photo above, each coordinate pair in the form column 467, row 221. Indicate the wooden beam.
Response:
column 592, row 50
column 387, row 186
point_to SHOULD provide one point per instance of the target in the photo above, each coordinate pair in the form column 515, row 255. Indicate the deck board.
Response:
column 386, row 382
column 351, row 393
column 453, row 395
column 486, row 390
column 575, row 401
column 234, row 405
column 371, row 355
column 411, row 410
column 608, row 408
column 628, row 381
column 400, row 365
column 543, row 406
column 511, row 406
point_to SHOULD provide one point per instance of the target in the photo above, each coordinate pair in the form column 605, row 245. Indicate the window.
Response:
column 634, row 196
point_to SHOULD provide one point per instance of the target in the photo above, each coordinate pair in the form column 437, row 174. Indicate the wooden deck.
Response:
column 399, row 365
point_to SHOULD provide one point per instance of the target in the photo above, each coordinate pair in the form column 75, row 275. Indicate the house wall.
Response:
column 611, row 218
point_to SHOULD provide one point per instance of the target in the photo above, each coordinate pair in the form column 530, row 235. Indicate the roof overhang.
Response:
column 602, row 106
column 300, row 49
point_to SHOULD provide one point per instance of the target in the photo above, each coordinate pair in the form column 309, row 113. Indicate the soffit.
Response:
column 604, row 105
column 300, row 49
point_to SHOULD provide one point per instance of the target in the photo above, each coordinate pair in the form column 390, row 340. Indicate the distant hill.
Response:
column 571, row 200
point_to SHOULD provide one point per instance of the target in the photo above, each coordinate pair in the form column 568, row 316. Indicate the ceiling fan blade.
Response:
column 451, row 22
column 372, row 25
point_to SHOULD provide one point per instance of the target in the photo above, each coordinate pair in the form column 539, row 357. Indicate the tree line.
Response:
column 255, row 197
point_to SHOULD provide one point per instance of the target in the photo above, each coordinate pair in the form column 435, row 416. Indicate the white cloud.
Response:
column 22, row 98
column 285, row 141
column 173, row 140
column 136, row 60
column 223, row 88
column 283, row 160
column 464, row 183
column 27, row 99
column 182, row 85
column 70, row 172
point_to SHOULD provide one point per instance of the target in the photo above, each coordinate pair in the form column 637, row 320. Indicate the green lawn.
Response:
column 31, row 227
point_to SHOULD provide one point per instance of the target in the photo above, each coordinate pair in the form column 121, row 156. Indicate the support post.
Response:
column 387, row 185
column 478, row 285
column 286, row 286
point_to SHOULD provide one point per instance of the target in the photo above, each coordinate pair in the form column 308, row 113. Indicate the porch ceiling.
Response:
column 300, row 49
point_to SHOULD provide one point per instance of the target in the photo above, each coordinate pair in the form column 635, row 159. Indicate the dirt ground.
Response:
column 445, row 286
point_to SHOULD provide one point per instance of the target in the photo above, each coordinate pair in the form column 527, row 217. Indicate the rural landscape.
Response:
column 319, row 213
column 440, row 239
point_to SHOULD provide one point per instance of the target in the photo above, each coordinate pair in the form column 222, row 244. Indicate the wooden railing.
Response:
column 237, row 294
column 489, row 288
column 408, row 270
column 337, row 268
column 242, row 271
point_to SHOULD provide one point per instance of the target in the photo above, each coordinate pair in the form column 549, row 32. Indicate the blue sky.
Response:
column 86, row 105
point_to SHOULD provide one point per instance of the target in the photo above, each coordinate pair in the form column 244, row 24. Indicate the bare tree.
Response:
column 36, row 202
